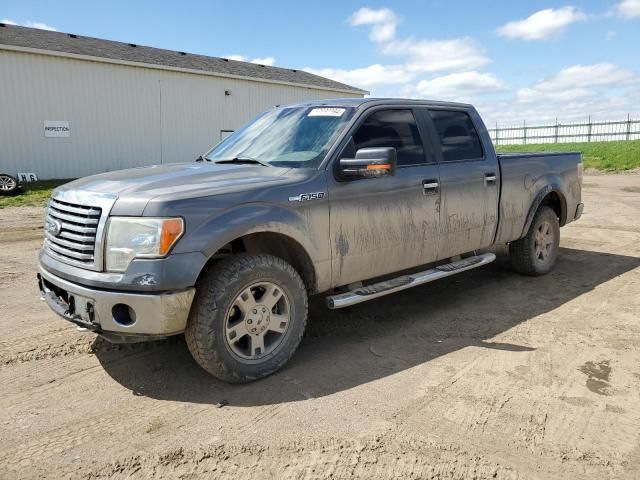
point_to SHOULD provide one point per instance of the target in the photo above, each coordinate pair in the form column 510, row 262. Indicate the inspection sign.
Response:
column 56, row 128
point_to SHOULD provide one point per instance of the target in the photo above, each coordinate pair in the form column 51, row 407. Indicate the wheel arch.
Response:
column 552, row 196
column 272, row 243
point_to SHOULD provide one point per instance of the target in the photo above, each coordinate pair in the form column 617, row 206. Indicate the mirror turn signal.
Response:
column 369, row 163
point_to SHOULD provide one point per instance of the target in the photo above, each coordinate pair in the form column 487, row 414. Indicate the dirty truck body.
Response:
column 339, row 197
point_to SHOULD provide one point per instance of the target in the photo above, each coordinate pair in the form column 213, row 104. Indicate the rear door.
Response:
column 382, row 225
column 469, row 182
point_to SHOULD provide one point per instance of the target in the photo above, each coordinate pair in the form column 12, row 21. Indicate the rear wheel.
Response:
column 248, row 317
column 536, row 252
column 8, row 184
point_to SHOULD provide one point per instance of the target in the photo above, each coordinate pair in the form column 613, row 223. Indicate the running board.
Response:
column 386, row 287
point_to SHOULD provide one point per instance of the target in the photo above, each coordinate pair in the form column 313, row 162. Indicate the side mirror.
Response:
column 369, row 163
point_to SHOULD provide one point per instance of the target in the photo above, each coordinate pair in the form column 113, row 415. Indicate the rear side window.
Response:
column 458, row 136
column 392, row 128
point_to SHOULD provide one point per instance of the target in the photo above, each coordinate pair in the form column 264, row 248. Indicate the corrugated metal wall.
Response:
column 119, row 116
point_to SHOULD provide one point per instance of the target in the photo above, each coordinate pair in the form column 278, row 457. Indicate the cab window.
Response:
column 458, row 135
column 392, row 128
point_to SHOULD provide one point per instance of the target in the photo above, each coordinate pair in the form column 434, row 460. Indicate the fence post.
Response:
column 589, row 130
column 556, row 135
column 497, row 134
column 524, row 125
column 628, row 126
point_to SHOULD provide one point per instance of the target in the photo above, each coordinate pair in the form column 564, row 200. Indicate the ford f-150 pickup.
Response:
column 353, row 198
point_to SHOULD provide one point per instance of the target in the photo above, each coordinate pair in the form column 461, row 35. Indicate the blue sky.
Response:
column 533, row 60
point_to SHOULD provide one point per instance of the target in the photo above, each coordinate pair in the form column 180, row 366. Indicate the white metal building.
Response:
column 71, row 106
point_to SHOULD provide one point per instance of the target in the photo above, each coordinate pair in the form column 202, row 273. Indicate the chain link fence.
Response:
column 572, row 132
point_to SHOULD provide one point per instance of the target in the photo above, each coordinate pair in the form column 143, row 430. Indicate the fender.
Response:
column 310, row 231
column 544, row 191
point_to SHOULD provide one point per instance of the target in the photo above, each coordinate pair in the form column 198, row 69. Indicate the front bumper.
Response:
column 116, row 314
column 579, row 210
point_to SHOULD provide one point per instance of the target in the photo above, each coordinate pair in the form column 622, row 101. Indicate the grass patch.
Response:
column 34, row 194
column 607, row 156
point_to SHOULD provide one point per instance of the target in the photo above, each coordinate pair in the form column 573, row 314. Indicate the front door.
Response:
column 382, row 225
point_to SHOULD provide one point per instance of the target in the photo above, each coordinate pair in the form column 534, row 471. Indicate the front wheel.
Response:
column 536, row 252
column 248, row 317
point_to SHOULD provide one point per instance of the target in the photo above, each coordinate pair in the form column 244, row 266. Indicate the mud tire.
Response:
column 525, row 255
column 215, row 293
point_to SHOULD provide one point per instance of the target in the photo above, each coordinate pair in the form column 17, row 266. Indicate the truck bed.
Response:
column 531, row 173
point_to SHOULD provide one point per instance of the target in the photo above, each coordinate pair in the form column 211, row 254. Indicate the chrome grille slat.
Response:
column 76, row 241
column 76, row 237
column 73, row 218
column 72, row 245
column 65, row 207
column 69, row 253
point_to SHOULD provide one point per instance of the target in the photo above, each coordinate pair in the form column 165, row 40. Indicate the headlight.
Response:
column 129, row 238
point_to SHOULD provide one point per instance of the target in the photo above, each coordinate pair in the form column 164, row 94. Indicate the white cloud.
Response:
column 601, row 107
column 531, row 95
column 542, row 24
column 415, row 57
column 40, row 25
column 365, row 77
column 459, row 85
column 384, row 23
column 577, row 82
column 262, row 61
column 604, row 91
column 438, row 55
column 629, row 8
column 426, row 56
column 30, row 24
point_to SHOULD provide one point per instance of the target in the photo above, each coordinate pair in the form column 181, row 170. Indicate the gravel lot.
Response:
column 484, row 375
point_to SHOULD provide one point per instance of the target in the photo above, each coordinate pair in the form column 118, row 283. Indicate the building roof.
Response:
column 67, row 43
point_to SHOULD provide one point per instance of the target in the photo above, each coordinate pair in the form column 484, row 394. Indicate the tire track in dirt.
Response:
column 82, row 431
column 63, row 342
column 378, row 457
column 26, row 351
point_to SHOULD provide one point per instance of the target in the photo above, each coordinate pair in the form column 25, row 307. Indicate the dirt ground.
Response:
column 483, row 375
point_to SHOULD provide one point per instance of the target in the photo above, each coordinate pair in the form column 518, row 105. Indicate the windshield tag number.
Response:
column 326, row 112
column 303, row 197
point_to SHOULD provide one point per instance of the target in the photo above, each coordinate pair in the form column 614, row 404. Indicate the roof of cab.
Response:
column 359, row 102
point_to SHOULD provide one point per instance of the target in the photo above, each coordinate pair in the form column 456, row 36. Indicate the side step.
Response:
column 386, row 287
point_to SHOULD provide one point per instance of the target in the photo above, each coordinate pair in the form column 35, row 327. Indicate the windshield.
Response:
column 296, row 137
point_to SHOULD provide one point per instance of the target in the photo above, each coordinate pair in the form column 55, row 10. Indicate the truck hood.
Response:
column 177, row 177
column 134, row 188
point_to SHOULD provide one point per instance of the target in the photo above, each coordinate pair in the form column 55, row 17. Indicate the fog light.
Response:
column 123, row 314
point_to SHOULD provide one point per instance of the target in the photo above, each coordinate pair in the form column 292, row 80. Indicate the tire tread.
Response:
column 211, row 291
column 521, row 251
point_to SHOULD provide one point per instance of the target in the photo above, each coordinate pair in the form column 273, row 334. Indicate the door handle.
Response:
column 430, row 187
column 489, row 179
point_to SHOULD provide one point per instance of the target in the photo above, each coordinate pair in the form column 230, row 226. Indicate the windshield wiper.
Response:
column 245, row 160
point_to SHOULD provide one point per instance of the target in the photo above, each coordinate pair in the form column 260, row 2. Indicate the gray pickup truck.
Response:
column 342, row 197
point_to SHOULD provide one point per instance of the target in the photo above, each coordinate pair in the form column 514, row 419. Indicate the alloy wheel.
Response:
column 257, row 321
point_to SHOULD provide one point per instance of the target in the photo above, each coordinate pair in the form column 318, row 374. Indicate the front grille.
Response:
column 76, row 240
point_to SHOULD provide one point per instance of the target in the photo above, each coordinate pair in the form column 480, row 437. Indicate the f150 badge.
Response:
column 303, row 197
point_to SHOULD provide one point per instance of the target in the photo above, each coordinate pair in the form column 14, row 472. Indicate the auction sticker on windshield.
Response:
column 326, row 112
